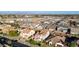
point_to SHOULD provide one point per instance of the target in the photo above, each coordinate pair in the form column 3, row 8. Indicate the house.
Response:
column 39, row 27
column 9, row 20
column 74, row 22
column 51, row 30
column 59, row 33
column 74, row 30
column 77, row 23
column 63, row 29
column 6, row 28
column 26, row 33
column 41, row 35
column 56, row 40
column 36, row 26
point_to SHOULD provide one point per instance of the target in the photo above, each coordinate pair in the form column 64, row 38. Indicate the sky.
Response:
column 39, row 12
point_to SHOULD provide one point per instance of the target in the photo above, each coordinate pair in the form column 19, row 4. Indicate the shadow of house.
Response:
column 17, row 44
column 71, row 39
column 12, row 43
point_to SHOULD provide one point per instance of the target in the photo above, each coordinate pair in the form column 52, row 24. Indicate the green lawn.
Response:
column 13, row 33
column 75, row 35
column 73, row 44
column 39, row 43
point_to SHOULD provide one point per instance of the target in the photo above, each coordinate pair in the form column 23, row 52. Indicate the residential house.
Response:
column 59, row 33
column 26, row 33
column 77, row 23
column 56, row 40
column 41, row 35
column 6, row 28
column 9, row 20
column 63, row 29
column 74, row 30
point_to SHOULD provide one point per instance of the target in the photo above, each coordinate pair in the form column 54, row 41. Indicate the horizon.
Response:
column 42, row 12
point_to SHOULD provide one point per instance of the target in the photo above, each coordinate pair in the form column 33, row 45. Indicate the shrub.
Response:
column 13, row 33
column 73, row 44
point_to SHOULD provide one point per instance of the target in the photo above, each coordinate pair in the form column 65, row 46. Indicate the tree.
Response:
column 13, row 33
column 73, row 44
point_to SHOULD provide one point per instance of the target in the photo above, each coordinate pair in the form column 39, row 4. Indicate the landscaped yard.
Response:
column 75, row 35
column 13, row 33
column 73, row 44
column 39, row 43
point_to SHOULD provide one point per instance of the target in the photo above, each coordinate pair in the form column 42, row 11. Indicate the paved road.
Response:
column 13, row 43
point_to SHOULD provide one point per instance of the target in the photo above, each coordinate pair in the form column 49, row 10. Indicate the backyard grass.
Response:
column 39, row 43
column 13, row 33
column 75, row 35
